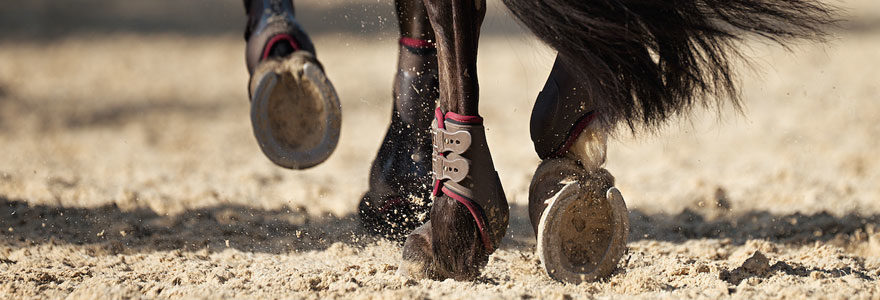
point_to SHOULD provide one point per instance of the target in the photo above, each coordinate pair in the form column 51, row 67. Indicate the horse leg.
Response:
column 639, row 62
column 397, row 201
column 579, row 217
column 470, row 214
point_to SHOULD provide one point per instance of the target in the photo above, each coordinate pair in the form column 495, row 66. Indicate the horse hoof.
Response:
column 582, row 237
column 295, row 111
column 417, row 254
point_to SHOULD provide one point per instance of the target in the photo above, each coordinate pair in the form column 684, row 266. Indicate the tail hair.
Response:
column 647, row 60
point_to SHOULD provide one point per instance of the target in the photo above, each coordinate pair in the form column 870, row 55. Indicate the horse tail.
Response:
column 647, row 60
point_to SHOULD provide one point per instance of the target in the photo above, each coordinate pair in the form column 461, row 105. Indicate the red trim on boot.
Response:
column 439, row 189
column 438, row 115
column 416, row 43
column 464, row 119
column 276, row 39
column 575, row 133
column 476, row 213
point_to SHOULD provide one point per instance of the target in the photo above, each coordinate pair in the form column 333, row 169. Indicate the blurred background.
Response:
column 43, row 19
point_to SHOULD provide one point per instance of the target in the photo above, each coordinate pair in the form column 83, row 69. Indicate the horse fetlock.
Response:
column 448, row 246
column 458, row 250
column 590, row 148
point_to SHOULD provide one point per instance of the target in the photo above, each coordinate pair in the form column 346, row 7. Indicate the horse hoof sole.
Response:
column 295, row 111
column 582, row 239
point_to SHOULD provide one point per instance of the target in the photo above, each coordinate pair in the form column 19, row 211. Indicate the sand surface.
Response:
column 128, row 169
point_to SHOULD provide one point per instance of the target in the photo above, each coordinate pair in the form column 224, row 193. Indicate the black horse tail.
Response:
column 647, row 60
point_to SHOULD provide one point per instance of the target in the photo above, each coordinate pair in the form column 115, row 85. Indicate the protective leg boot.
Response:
column 470, row 212
column 463, row 170
column 398, row 199
column 295, row 111
column 561, row 112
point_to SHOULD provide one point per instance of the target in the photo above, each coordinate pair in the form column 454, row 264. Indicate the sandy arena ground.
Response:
column 128, row 169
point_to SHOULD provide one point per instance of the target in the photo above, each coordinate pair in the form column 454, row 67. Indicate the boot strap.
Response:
column 450, row 168
column 456, row 142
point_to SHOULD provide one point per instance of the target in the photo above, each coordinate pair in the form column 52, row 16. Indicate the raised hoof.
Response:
column 295, row 111
column 582, row 237
column 417, row 254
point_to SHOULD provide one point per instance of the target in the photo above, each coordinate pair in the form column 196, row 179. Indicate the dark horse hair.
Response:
column 647, row 60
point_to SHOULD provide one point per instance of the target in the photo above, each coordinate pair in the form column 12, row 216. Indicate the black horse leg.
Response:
column 457, row 26
column 398, row 201
column 470, row 214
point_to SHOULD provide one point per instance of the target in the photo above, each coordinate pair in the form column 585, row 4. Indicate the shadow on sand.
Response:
column 283, row 230
column 114, row 230
column 687, row 225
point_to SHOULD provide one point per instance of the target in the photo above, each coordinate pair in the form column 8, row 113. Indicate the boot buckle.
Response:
column 446, row 141
column 454, row 167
